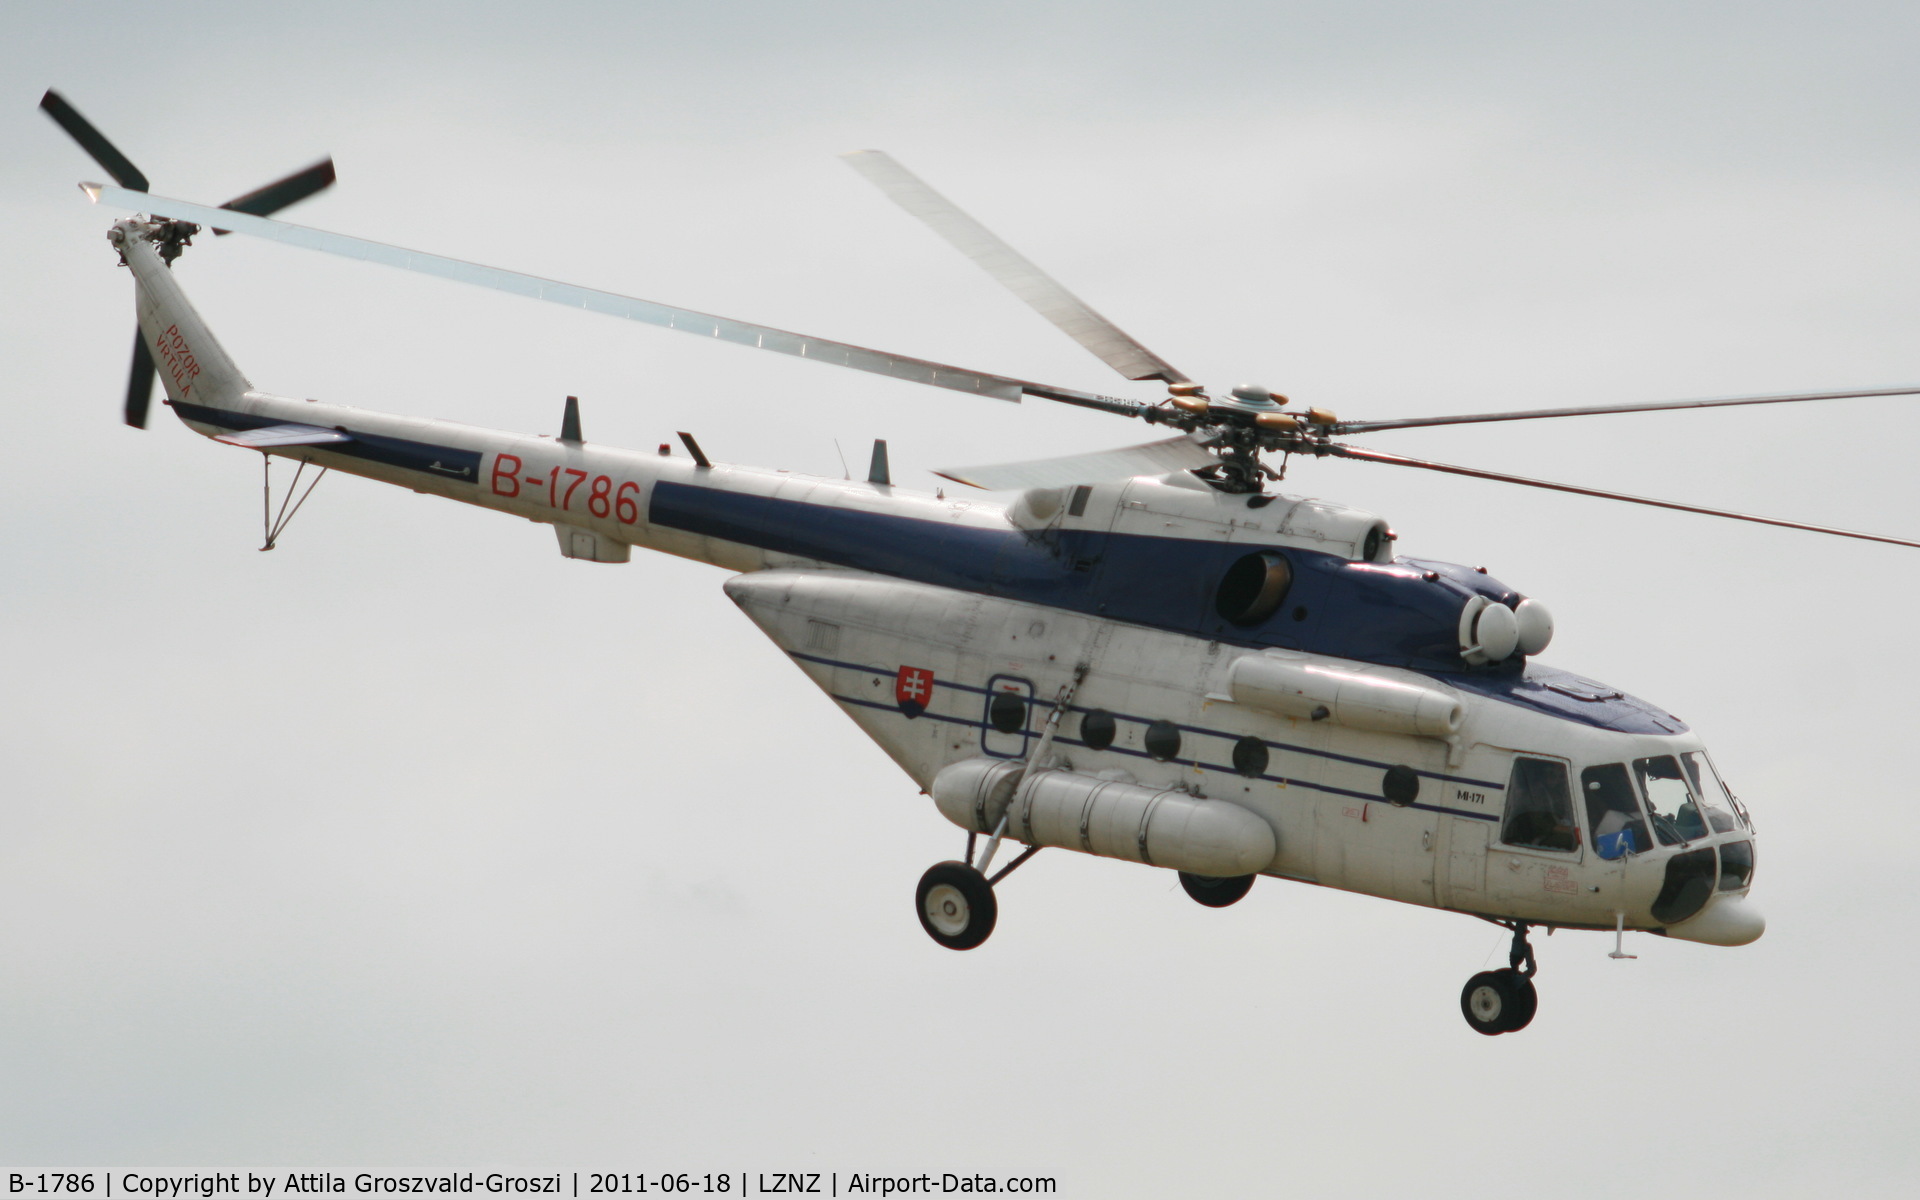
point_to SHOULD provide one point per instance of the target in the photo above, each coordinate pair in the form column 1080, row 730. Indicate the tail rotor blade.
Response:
column 265, row 201
column 139, row 383
column 93, row 141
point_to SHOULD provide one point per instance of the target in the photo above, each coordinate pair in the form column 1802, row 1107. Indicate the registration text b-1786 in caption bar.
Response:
column 89, row 1185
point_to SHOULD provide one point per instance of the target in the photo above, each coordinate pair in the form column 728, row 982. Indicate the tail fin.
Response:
column 192, row 366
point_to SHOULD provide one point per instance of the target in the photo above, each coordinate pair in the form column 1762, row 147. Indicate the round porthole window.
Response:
column 1097, row 729
column 1252, row 588
column 1250, row 757
column 1401, row 786
column 1007, row 712
column 1163, row 740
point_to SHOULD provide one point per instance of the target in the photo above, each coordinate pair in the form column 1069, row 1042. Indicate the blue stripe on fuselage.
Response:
column 441, row 462
column 1041, row 702
column 1220, row 768
column 1391, row 614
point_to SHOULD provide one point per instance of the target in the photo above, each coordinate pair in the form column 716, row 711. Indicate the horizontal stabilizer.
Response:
column 1150, row 458
column 269, row 436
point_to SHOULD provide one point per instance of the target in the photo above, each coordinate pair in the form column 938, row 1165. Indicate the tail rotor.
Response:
column 260, row 202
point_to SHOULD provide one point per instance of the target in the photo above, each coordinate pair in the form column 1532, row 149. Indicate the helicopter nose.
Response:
column 1728, row 921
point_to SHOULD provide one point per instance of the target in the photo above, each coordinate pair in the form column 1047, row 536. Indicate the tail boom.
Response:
column 714, row 512
column 193, row 366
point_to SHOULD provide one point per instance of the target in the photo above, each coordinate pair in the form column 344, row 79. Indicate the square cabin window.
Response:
column 1540, row 807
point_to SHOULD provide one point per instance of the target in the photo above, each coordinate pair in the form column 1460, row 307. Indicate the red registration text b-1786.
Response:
column 603, row 498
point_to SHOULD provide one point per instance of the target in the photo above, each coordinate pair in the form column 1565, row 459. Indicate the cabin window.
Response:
column 1097, row 729
column 1007, row 712
column 1670, row 804
column 1250, row 757
column 1722, row 811
column 1163, row 740
column 1613, row 812
column 1539, row 807
column 1252, row 588
column 1400, row 785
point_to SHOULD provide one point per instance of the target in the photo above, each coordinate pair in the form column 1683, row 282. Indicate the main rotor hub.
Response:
column 1256, row 398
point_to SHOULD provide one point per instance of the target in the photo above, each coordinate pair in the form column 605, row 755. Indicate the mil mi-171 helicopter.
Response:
column 1143, row 654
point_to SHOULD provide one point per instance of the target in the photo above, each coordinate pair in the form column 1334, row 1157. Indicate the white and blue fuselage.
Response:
column 1084, row 634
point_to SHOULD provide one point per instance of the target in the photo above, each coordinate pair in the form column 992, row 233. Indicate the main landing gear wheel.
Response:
column 956, row 905
column 1500, row 1001
column 1215, row 892
column 1504, row 1001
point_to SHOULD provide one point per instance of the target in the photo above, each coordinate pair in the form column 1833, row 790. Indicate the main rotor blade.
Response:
column 265, row 201
column 1344, row 427
column 1399, row 460
column 648, row 312
column 1152, row 458
column 93, row 141
column 1013, row 270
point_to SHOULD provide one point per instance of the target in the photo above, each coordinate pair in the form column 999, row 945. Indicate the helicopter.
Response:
column 1148, row 654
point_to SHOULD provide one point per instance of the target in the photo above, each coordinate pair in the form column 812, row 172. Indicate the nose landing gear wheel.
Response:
column 1502, row 1001
column 1215, row 892
column 956, row 905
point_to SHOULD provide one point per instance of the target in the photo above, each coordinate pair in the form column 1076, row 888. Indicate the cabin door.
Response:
column 1460, row 863
column 1006, row 718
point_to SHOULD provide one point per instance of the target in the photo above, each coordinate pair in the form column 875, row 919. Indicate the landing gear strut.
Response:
column 1503, row 1001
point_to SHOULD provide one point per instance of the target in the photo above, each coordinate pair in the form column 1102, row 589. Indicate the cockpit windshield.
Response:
column 1724, row 813
column 1685, row 797
column 1670, row 803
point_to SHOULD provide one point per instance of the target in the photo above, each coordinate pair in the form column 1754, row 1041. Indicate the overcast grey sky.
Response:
column 290, row 878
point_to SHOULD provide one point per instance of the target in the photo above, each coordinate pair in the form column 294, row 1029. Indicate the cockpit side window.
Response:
column 1676, row 816
column 1613, row 811
column 1539, row 807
